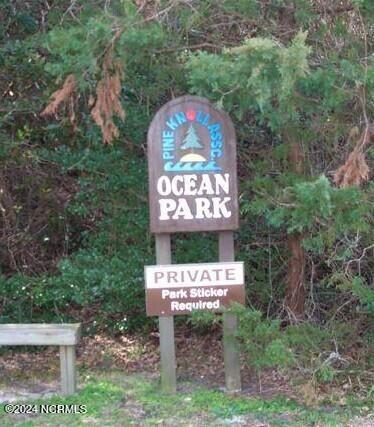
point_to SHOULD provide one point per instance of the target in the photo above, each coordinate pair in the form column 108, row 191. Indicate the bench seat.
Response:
column 64, row 335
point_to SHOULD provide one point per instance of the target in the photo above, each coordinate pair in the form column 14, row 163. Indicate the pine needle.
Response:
column 355, row 170
column 107, row 104
column 61, row 96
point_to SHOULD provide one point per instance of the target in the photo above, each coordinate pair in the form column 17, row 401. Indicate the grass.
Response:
column 116, row 399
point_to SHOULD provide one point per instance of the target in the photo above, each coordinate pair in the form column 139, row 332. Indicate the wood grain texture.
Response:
column 68, row 369
column 156, row 163
column 39, row 334
column 231, row 353
column 166, row 325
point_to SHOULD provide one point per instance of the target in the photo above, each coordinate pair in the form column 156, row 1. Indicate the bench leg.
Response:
column 68, row 371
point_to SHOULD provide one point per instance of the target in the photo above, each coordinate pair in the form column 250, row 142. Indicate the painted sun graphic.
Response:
column 192, row 157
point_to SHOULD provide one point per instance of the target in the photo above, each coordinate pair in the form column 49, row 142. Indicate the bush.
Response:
column 261, row 340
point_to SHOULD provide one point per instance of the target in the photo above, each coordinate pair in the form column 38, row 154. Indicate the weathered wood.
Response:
column 68, row 370
column 192, row 187
column 181, row 288
column 230, row 348
column 185, row 166
column 39, row 334
column 167, row 349
column 166, row 325
column 226, row 246
column 64, row 335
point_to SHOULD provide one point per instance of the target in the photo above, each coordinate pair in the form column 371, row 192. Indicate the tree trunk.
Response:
column 8, row 221
column 295, row 290
column 295, row 286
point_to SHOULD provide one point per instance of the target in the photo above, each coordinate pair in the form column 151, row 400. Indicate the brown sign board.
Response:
column 192, row 168
column 183, row 288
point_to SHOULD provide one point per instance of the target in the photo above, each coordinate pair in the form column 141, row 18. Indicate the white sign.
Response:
column 192, row 275
column 177, row 207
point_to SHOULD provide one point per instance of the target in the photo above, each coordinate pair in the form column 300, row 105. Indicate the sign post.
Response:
column 231, row 355
column 166, row 324
column 193, row 188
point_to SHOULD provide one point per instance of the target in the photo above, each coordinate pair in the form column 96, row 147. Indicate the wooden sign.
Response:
column 193, row 187
column 192, row 168
column 183, row 288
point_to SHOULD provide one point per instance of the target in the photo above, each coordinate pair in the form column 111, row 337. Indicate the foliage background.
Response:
column 296, row 76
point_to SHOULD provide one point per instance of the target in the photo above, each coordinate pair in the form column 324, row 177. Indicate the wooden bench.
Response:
column 64, row 335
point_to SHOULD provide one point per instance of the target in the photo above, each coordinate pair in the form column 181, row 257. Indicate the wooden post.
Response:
column 230, row 349
column 68, row 371
column 168, row 132
column 166, row 325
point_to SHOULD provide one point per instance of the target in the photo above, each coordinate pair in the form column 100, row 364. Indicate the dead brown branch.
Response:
column 355, row 170
column 107, row 102
column 61, row 96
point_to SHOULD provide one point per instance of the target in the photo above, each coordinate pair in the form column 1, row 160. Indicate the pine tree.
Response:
column 191, row 141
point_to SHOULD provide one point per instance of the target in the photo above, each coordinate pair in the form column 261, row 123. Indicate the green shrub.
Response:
column 261, row 340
